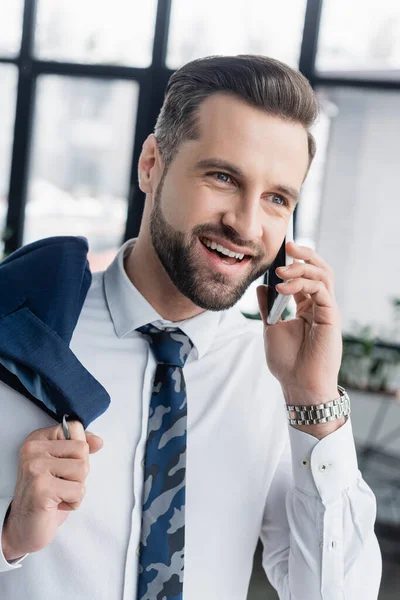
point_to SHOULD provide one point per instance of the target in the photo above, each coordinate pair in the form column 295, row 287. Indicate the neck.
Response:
column 149, row 277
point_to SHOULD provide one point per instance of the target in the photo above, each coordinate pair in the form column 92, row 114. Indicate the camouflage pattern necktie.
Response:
column 162, row 543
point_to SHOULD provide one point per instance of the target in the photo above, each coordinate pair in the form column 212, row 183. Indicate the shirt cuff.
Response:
column 325, row 467
column 6, row 565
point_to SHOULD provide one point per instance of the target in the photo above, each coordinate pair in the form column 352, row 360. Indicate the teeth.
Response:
column 221, row 249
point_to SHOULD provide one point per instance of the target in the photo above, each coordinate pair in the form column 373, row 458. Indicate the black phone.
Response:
column 278, row 302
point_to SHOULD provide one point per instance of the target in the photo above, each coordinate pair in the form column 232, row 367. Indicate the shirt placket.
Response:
column 132, row 555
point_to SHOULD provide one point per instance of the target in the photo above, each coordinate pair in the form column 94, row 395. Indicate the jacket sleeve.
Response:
column 318, row 526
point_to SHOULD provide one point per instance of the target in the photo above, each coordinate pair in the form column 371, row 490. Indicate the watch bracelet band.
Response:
column 320, row 413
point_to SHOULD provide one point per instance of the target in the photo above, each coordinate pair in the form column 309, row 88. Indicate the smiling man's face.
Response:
column 234, row 187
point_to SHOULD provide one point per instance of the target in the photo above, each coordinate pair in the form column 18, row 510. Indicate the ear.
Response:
column 150, row 165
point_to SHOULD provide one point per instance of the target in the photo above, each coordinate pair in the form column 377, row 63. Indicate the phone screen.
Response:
column 272, row 277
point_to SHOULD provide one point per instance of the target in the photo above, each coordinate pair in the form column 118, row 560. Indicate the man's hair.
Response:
column 262, row 82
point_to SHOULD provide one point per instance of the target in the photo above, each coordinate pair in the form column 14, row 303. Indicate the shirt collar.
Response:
column 130, row 310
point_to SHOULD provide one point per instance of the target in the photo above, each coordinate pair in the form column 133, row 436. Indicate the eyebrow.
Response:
column 216, row 163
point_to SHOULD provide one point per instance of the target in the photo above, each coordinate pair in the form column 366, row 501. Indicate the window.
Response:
column 308, row 209
column 359, row 223
column 360, row 36
column 8, row 87
column 81, row 159
column 119, row 32
column 10, row 27
column 245, row 26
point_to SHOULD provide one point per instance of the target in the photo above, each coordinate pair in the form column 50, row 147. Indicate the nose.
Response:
column 245, row 217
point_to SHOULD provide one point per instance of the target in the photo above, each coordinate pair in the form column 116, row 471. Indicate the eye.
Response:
column 280, row 200
column 223, row 177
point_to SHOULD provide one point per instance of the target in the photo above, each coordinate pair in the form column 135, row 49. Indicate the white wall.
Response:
column 359, row 229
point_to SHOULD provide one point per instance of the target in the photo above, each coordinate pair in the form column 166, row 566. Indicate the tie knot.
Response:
column 169, row 347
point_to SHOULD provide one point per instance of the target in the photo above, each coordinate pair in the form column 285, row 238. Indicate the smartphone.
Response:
column 278, row 302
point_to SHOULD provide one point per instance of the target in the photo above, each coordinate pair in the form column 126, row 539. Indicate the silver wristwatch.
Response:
column 320, row 413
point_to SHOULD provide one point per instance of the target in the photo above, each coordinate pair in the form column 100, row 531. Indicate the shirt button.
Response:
column 305, row 462
column 323, row 467
column 138, row 551
column 143, row 463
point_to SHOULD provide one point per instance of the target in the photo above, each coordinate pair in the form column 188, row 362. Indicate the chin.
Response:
column 216, row 300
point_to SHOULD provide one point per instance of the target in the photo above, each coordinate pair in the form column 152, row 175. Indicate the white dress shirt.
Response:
column 249, row 474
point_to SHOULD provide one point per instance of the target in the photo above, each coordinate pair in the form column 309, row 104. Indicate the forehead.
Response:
column 257, row 142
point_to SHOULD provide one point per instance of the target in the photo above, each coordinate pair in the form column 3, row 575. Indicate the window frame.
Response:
column 152, row 81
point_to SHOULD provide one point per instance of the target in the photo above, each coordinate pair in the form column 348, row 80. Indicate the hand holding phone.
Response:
column 278, row 302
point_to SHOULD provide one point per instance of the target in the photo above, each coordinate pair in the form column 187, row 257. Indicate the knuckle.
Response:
column 39, row 487
column 82, row 448
column 34, row 435
column 28, row 448
column 33, row 467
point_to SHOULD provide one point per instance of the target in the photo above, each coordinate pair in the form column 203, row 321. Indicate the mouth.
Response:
column 220, row 260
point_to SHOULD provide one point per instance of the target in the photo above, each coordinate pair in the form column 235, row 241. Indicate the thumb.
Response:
column 262, row 297
column 95, row 442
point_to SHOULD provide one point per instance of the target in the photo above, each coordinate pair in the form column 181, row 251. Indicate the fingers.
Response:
column 76, row 431
column 307, row 271
column 315, row 288
column 56, row 432
column 66, row 447
column 95, row 442
column 51, row 476
column 69, row 469
column 308, row 255
column 62, row 449
column 70, row 493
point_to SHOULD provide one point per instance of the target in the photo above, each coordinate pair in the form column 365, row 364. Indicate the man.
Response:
column 198, row 460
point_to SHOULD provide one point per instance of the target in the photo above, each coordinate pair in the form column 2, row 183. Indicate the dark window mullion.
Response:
column 361, row 82
column 22, row 134
column 150, row 101
column 160, row 45
column 309, row 48
column 100, row 71
column 8, row 61
column 309, row 45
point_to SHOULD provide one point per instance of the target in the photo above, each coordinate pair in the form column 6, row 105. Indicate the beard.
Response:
column 207, row 289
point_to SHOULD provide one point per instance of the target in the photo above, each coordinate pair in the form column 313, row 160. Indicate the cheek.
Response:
column 273, row 236
column 186, row 206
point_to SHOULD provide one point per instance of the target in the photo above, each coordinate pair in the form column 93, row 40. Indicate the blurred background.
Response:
column 81, row 84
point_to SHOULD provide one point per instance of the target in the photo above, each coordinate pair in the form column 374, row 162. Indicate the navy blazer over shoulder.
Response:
column 43, row 286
